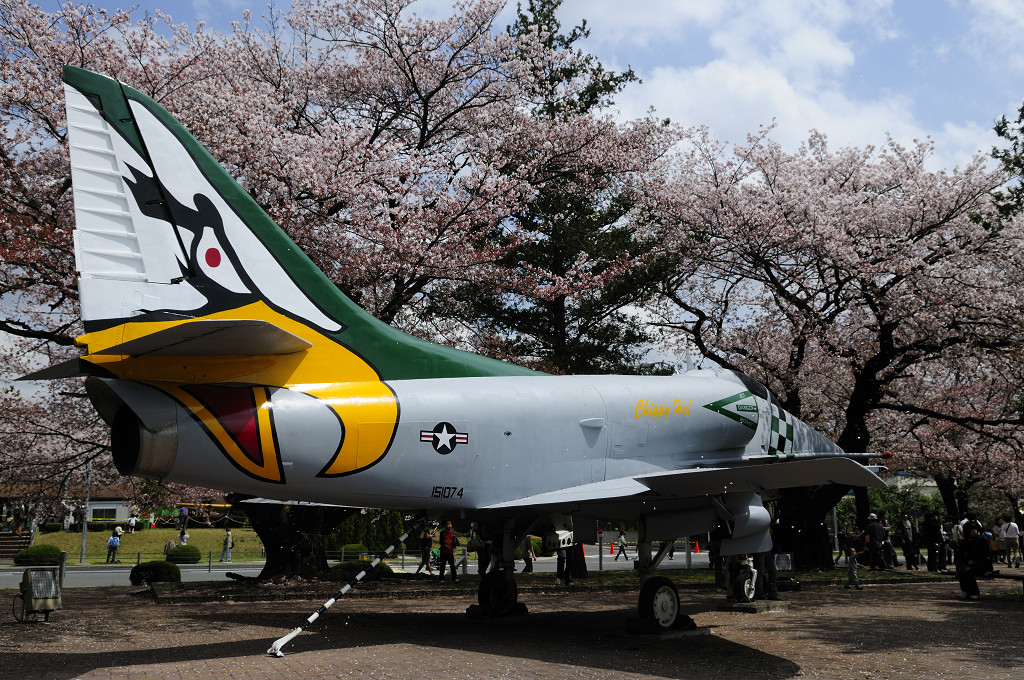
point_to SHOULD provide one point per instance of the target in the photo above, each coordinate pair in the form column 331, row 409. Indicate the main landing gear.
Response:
column 498, row 594
column 658, row 604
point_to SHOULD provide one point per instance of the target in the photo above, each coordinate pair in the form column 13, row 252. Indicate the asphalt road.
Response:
column 117, row 575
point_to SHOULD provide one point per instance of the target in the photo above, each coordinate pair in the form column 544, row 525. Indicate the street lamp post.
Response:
column 85, row 515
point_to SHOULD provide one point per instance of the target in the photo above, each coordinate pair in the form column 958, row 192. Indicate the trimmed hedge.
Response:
column 39, row 555
column 152, row 572
column 354, row 549
column 50, row 527
column 103, row 526
column 346, row 571
column 184, row 554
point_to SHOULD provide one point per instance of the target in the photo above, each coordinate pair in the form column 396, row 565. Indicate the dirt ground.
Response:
column 884, row 631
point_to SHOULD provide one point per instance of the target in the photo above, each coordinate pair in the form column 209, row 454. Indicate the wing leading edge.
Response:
column 699, row 482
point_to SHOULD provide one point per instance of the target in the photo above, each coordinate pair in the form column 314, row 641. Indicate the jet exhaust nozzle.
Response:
column 139, row 451
column 144, row 444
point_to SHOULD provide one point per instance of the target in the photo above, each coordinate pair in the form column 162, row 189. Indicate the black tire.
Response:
column 659, row 603
column 497, row 595
column 743, row 586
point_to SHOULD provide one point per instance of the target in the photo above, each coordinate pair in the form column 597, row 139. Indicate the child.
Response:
column 851, row 570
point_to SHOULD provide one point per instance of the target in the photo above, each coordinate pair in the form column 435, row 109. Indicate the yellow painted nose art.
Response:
column 239, row 418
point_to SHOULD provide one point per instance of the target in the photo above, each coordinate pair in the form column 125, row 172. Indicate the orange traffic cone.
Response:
column 696, row 546
column 611, row 548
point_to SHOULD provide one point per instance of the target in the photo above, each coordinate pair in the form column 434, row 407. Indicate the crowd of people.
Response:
column 964, row 547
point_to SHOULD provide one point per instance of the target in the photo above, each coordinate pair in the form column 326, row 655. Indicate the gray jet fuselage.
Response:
column 468, row 443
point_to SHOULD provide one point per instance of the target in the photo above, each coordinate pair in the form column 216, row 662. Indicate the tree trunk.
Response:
column 293, row 536
column 954, row 495
column 863, row 505
column 802, row 530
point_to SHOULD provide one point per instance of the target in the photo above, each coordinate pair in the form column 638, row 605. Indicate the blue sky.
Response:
column 856, row 70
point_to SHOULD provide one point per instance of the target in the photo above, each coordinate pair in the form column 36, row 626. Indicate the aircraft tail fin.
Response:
column 165, row 236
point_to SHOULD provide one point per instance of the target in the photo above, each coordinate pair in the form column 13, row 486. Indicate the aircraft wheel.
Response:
column 659, row 602
column 497, row 595
column 743, row 586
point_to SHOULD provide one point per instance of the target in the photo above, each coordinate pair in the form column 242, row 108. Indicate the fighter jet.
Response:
column 221, row 356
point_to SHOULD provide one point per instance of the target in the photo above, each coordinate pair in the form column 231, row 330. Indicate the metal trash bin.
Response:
column 40, row 593
column 784, row 565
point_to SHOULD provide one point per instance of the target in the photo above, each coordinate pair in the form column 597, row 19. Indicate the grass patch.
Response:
column 149, row 544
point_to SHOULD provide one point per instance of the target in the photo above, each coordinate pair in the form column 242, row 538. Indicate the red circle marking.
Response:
column 213, row 257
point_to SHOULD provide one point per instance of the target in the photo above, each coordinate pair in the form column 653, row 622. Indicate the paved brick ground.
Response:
column 905, row 631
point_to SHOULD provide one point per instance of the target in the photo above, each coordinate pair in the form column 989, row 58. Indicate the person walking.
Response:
column 183, row 517
column 426, row 545
column 527, row 553
column 113, row 545
column 875, row 537
column 448, row 544
column 229, row 543
column 852, row 580
column 977, row 561
column 1011, row 538
column 933, row 540
column 622, row 546
column 19, row 520
column 908, row 534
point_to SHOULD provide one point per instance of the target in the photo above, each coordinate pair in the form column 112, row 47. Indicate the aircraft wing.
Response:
column 613, row 489
column 307, row 504
column 698, row 482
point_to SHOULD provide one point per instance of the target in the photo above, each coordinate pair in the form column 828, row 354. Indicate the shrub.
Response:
column 50, row 527
column 354, row 549
column 536, row 548
column 184, row 554
column 346, row 571
column 39, row 555
column 152, row 572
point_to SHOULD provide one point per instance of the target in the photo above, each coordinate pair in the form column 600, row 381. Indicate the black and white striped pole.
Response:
column 275, row 649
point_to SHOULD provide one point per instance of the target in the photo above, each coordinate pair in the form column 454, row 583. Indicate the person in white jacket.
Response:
column 1011, row 539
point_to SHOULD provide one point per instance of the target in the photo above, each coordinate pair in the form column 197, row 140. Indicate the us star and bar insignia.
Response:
column 444, row 438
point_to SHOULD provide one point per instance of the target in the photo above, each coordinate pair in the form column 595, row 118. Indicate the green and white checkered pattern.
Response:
column 780, row 439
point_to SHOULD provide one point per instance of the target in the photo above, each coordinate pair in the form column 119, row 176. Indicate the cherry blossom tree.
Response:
column 49, row 435
column 877, row 298
column 388, row 146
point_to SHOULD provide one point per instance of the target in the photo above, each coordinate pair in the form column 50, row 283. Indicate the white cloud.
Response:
column 813, row 64
column 997, row 29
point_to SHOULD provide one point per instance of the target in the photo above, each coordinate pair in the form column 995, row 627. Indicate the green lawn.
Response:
column 150, row 543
